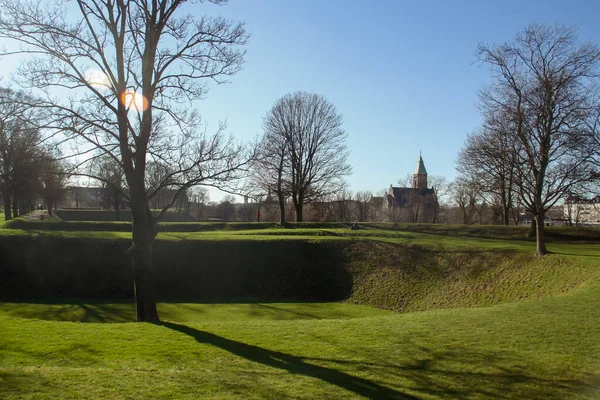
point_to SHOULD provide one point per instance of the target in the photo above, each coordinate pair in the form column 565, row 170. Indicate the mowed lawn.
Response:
column 548, row 348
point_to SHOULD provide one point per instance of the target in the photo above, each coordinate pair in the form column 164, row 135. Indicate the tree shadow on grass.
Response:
column 74, row 312
column 466, row 377
column 293, row 364
column 444, row 372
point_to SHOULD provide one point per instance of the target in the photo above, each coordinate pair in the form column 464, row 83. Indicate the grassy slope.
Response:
column 535, row 349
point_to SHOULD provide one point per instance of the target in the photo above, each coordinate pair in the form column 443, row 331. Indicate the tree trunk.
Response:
column 540, row 239
column 15, row 208
column 49, row 205
column 7, row 210
column 532, row 229
column 298, row 203
column 281, row 201
column 144, row 231
column 506, row 215
column 298, row 212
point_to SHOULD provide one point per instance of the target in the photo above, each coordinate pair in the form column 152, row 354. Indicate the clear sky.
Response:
column 402, row 73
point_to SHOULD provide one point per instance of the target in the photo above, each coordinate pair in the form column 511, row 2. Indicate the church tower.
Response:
column 420, row 175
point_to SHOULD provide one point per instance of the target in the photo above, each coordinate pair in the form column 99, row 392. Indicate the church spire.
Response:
column 420, row 175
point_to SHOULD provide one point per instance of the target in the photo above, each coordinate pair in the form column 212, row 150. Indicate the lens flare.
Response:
column 131, row 98
column 97, row 78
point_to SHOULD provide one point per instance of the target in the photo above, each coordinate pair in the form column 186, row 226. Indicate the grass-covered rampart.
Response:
column 398, row 274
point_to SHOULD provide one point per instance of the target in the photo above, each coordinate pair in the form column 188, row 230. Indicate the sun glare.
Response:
column 131, row 98
column 97, row 78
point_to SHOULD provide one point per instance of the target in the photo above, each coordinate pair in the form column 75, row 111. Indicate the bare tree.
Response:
column 546, row 85
column 490, row 156
column 342, row 202
column 112, row 179
column 468, row 196
column 20, row 152
column 364, row 203
column 54, row 176
column 271, row 169
column 200, row 198
column 441, row 189
column 130, row 70
column 226, row 208
column 308, row 132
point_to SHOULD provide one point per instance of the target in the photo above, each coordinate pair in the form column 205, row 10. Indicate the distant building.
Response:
column 580, row 211
column 412, row 204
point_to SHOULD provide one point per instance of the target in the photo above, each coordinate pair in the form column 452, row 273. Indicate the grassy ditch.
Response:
column 401, row 274
column 416, row 278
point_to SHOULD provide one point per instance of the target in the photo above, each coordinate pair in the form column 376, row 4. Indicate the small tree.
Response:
column 441, row 190
column 364, row 201
column 53, row 179
column 468, row 196
column 112, row 178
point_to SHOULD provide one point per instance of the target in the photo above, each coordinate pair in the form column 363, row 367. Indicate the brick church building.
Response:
column 412, row 204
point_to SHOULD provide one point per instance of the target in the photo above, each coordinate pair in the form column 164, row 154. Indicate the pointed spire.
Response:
column 420, row 169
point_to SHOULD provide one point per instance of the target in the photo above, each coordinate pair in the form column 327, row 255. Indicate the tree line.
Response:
column 30, row 169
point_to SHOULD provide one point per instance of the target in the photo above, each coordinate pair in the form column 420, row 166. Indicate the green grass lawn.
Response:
column 539, row 348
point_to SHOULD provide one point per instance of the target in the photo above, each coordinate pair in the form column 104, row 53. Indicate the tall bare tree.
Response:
column 271, row 170
column 127, row 72
column 309, row 133
column 546, row 84
column 490, row 156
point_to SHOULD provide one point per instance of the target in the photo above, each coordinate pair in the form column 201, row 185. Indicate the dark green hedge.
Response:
column 52, row 268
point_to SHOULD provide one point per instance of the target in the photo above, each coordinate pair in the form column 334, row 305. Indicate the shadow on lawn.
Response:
column 74, row 312
column 441, row 372
column 451, row 374
column 293, row 364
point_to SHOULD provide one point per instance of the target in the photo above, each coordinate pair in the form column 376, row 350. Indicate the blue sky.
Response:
column 403, row 73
